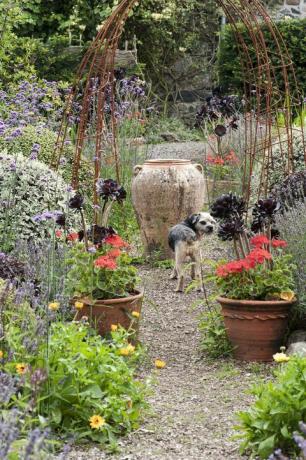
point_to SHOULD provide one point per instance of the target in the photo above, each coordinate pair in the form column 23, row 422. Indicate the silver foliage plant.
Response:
column 292, row 226
column 29, row 188
column 280, row 161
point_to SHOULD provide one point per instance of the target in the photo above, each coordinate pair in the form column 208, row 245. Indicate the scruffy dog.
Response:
column 184, row 241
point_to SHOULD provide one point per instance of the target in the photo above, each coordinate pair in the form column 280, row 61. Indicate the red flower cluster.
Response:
column 105, row 262
column 116, row 241
column 231, row 157
column 257, row 256
column 219, row 160
column 279, row 243
column 215, row 161
column 259, row 241
column 108, row 260
column 73, row 237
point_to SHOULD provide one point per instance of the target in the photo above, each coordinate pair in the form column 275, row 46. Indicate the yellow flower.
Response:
column 21, row 368
column 281, row 357
column 136, row 314
column 159, row 364
column 287, row 295
column 1, row 354
column 114, row 327
column 79, row 305
column 53, row 306
column 126, row 351
column 96, row 421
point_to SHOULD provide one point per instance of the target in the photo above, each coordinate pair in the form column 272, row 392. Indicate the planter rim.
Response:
column 138, row 295
column 166, row 162
column 227, row 301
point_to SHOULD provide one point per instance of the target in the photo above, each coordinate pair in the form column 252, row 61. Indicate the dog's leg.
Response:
column 173, row 275
column 179, row 265
column 197, row 269
column 193, row 271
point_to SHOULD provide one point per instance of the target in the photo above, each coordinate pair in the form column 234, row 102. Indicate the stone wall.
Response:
column 293, row 8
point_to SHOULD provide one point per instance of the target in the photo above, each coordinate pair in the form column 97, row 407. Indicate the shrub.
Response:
column 278, row 408
column 28, row 188
column 87, row 377
column 41, row 142
column 231, row 73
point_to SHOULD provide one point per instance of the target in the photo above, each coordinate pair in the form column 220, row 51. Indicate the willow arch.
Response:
column 271, row 98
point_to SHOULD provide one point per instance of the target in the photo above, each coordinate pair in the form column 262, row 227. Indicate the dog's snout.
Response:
column 210, row 228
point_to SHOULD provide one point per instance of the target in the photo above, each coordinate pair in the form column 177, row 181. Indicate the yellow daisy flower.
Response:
column 78, row 305
column 1, row 354
column 126, row 351
column 96, row 421
column 159, row 364
column 136, row 314
column 114, row 327
column 21, row 368
column 281, row 357
column 53, row 306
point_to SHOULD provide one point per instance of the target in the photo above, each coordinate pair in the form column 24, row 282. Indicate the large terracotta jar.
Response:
column 165, row 192
column 255, row 328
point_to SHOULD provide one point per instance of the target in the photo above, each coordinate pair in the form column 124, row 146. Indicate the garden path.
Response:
column 194, row 400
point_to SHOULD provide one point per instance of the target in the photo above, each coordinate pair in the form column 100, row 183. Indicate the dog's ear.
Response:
column 193, row 219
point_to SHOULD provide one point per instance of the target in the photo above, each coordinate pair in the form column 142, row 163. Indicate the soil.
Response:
column 194, row 399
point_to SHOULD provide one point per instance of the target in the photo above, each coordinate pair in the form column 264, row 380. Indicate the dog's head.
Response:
column 201, row 223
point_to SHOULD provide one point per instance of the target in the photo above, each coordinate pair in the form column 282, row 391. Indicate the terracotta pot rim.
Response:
column 259, row 303
column 100, row 302
column 167, row 161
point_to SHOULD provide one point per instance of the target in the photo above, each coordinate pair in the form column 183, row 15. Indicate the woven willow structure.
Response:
column 266, row 97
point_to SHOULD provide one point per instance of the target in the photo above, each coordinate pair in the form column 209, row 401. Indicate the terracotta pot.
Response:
column 255, row 328
column 165, row 192
column 215, row 188
column 103, row 313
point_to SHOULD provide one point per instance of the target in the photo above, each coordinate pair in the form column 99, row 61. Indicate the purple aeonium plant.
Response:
column 109, row 189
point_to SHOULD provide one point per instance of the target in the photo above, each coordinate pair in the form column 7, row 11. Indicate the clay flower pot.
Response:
column 102, row 314
column 255, row 328
column 165, row 192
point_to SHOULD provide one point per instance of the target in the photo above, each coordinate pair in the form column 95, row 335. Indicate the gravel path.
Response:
column 193, row 400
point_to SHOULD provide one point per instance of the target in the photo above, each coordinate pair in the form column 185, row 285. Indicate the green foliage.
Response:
column 87, row 376
column 46, row 139
column 157, row 126
column 214, row 341
column 230, row 68
column 260, row 283
column 278, row 408
column 98, row 282
column 28, row 188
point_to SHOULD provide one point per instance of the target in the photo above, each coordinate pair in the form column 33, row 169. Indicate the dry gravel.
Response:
column 193, row 400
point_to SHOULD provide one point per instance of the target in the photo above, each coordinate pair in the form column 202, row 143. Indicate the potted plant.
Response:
column 256, row 287
column 101, row 278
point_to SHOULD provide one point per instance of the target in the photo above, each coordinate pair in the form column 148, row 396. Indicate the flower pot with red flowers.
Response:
column 101, row 279
column 258, row 287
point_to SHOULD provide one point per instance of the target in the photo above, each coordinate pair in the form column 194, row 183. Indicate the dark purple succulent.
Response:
column 109, row 189
column 291, row 190
column 266, row 208
column 233, row 123
column 230, row 229
column 97, row 234
column 220, row 130
column 228, row 206
column 61, row 220
column 11, row 268
column 76, row 202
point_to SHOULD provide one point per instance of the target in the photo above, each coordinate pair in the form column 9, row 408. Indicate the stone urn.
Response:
column 165, row 192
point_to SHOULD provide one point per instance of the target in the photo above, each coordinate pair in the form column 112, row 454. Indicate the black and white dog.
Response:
column 184, row 241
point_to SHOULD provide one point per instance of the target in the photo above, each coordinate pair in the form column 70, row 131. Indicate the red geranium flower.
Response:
column 114, row 253
column 279, row 243
column 222, row 271
column 259, row 255
column 58, row 233
column 73, row 237
column 105, row 262
column 116, row 241
column 259, row 241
